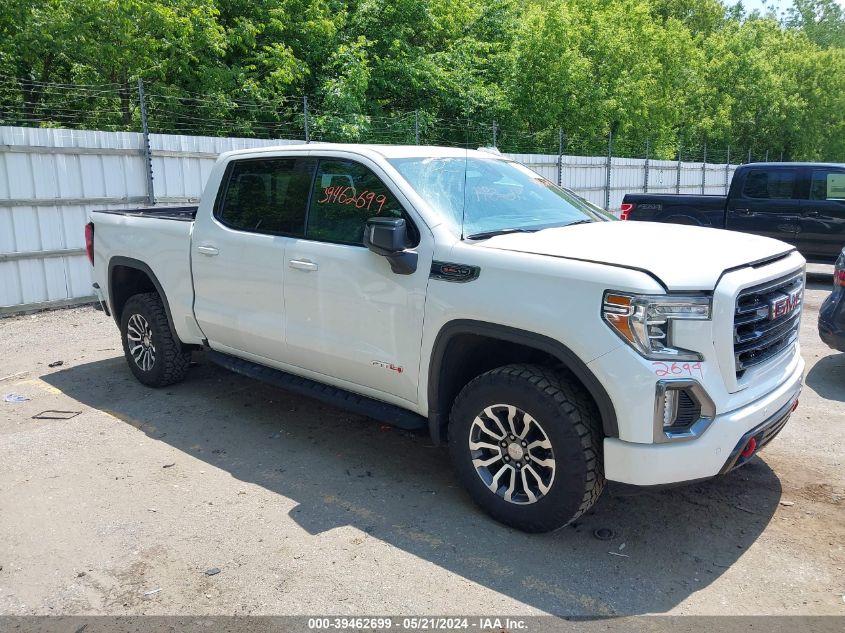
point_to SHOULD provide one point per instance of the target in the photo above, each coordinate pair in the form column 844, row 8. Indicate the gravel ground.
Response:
column 126, row 507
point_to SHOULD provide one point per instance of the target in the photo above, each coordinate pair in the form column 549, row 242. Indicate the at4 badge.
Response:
column 390, row 366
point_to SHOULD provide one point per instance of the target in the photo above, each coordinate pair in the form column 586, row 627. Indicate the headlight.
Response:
column 645, row 321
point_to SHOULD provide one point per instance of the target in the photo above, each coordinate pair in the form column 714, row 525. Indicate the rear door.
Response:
column 822, row 233
column 767, row 203
column 238, row 254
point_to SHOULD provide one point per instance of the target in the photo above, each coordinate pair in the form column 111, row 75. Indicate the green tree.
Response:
column 823, row 21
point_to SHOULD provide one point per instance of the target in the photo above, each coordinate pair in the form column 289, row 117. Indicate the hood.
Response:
column 682, row 257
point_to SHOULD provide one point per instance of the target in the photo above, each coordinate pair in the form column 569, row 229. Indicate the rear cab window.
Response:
column 266, row 195
column 771, row 184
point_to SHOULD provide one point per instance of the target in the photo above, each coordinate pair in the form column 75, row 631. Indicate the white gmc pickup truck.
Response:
column 552, row 347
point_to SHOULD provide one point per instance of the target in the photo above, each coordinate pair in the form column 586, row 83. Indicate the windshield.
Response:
column 482, row 196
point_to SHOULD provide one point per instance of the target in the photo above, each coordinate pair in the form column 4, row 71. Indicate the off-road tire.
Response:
column 572, row 424
column 171, row 358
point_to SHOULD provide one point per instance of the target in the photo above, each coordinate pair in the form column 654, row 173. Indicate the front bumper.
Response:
column 832, row 321
column 833, row 338
column 716, row 451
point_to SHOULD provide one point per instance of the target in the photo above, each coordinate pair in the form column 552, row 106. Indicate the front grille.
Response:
column 761, row 331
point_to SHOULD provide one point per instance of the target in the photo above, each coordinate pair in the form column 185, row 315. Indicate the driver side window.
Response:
column 828, row 185
column 345, row 195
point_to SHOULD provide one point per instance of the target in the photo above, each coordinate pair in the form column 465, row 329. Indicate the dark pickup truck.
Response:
column 799, row 203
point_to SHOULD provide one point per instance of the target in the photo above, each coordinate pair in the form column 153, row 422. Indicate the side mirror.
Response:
column 387, row 237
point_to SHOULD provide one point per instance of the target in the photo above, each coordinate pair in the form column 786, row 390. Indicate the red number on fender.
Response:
column 662, row 369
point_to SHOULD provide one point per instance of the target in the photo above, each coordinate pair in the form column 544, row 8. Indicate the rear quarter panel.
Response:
column 164, row 246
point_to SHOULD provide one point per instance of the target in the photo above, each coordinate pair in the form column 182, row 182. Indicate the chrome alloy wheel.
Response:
column 139, row 335
column 512, row 454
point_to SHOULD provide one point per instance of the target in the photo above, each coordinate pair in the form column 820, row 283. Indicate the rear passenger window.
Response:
column 828, row 185
column 775, row 184
column 267, row 195
column 345, row 195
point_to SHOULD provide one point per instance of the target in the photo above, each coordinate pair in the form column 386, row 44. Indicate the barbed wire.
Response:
column 116, row 107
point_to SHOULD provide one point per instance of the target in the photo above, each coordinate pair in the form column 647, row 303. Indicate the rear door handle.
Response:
column 302, row 264
column 205, row 249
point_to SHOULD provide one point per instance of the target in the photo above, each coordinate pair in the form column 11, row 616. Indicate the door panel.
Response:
column 347, row 314
column 767, row 204
column 238, row 255
column 239, row 298
column 352, row 318
column 822, row 233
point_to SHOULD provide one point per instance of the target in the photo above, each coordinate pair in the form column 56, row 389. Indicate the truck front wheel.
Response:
column 526, row 442
column 155, row 356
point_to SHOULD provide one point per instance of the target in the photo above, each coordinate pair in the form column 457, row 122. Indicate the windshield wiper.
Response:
column 579, row 222
column 485, row 234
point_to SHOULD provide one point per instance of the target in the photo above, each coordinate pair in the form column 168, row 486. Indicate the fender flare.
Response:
column 137, row 264
column 566, row 356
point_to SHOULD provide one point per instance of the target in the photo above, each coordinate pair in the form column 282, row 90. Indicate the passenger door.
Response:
column 822, row 234
column 348, row 315
column 238, row 254
column 768, row 204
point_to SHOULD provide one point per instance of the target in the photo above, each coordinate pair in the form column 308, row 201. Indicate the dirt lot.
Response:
column 305, row 509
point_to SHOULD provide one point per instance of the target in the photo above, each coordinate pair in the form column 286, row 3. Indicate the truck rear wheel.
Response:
column 155, row 355
column 526, row 443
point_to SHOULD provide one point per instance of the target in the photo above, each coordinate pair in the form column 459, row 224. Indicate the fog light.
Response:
column 683, row 410
column 670, row 407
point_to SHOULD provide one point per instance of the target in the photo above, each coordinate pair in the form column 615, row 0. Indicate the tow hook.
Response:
column 749, row 449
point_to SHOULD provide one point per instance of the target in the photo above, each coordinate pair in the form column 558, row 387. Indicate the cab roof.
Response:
column 385, row 151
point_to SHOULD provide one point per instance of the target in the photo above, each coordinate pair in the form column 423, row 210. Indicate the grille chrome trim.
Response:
column 757, row 337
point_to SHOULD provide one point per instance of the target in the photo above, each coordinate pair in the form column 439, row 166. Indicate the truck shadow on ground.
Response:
column 346, row 470
column 826, row 377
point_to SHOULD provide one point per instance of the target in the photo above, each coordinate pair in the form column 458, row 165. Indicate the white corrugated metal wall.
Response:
column 588, row 176
column 52, row 179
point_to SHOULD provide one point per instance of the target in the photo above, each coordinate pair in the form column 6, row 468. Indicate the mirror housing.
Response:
column 387, row 237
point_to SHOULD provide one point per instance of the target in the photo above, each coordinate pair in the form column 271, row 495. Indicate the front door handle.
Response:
column 811, row 214
column 205, row 249
column 742, row 211
column 302, row 264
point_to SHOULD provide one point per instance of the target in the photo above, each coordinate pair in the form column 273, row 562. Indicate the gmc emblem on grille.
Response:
column 783, row 304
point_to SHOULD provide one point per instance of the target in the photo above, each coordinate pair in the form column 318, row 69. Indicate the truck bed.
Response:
column 698, row 210
column 159, row 240
column 181, row 214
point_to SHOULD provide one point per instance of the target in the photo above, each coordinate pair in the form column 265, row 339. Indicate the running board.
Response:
column 334, row 396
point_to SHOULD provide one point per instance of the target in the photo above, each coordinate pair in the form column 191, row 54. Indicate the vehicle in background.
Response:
column 802, row 204
column 832, row 312
column 461, row 292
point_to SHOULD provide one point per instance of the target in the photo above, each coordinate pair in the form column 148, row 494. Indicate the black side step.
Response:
column 334, row 396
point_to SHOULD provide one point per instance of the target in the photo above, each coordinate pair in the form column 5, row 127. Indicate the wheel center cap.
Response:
column 515, row 451
column 146, row 341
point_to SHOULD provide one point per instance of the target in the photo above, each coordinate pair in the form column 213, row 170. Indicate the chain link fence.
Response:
column 70, row 149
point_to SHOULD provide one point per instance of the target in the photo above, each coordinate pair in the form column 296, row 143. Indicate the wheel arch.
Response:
column 128, row 277
column 686, row 220
column 456, row 335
